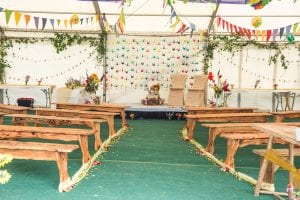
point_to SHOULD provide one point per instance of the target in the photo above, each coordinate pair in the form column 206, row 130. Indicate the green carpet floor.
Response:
column 151, row 161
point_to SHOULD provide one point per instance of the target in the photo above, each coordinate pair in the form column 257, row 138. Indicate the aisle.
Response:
column 150, row 162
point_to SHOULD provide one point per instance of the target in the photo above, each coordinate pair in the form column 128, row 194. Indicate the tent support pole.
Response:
column 99, row 14
column 212, row 19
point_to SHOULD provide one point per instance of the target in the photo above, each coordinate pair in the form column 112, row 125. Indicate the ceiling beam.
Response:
column 99, row 14
column 212, row 19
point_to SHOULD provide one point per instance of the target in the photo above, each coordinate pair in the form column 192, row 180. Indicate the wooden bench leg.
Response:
column 211, row 140
column 270, row 171
column 232, row 147
column 123, row 116
column 278, row 118
column 62, row 164
column 111, row 125
column 83, row 141
column 98, row 141
column 190, row 126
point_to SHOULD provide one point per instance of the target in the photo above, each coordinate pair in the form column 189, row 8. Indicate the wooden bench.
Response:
column 236, row 140
column 13, row 109
column 21, row 119
column 207, row 110
column 82, row 114
column 217, row 129
column 49, row 133
column 42, row 151
column 223, row 117
column 281, row 116
column 106, row 107
column 272, row 168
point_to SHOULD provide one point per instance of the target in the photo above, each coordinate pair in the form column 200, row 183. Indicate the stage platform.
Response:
column 140, row 111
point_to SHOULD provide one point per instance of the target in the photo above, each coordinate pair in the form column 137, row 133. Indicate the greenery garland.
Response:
column 63, row 40
column 235, row 43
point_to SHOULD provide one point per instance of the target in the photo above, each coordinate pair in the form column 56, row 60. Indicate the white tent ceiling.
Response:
column 147, row 15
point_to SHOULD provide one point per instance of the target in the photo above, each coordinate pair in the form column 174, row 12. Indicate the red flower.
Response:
column 210, row 76
column 225, row 86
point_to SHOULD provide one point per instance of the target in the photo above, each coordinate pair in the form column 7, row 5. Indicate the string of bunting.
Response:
column 73, row 20
column 264, row 34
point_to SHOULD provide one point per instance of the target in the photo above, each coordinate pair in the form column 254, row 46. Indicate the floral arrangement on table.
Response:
column 73, row 83
column 92, row 83
column 4, row 175
column 221, row 90
column 153, row 97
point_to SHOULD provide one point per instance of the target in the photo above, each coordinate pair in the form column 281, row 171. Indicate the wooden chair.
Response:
column 197, row 96
column 176, row 93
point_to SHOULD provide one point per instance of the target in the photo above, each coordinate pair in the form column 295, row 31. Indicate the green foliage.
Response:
column 63, row 40
column 235, row 43
column 5, row 44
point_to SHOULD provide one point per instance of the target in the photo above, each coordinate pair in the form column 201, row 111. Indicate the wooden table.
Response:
column 46, row 89
column 286, row 133
column 105, row 107
column 281, row 116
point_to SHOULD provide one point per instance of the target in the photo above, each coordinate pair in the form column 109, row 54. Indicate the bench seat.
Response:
column 49, row 133
column 42, row 151
column 21, row 119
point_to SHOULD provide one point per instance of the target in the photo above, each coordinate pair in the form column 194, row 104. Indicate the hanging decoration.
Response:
column 74, row 19
column 256, row 22
column 258, row 4
column 265, row 35
column 291, row 38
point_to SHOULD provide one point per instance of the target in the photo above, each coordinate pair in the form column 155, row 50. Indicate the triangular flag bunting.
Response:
column 227, row 26
column 218, row 21
column 257, row 32
column 66, row 23
column 7, row 15
column 87, row 20
column 27, row 19
column 17, row 17
column 36, row 22
column 122, row 16
column 269, row 33
column 193, row 28
column 97, row 18
column 71, row 23
column 248, row 32
column 58, row 22
column 288, row 29
column 231, row 28
column 263, row 33
column 295, row 27
column 175, row 23
column 235, row 29
column 223, row 24
column 121, row 25
column 1, row 9
column 92, row 19
column 52, row 23
column 275, row 31
column 81, row 21
column 281, row 31
column 181, row 28
column 44, row 21
column 241, row 32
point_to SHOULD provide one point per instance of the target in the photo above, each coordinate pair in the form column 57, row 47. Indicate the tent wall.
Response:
column 135, row 62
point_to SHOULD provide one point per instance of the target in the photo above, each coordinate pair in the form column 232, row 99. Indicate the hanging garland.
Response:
column 5, row 44
column 234, row 43
column 63, row 40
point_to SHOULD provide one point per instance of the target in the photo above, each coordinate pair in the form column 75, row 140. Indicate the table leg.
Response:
column 190, row 126
column 123, row 116
column 263, row 169
column 213, row 132
column 291, row 158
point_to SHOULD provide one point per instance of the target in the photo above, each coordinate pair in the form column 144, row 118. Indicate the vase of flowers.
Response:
column 221, row 90
column 91, row 86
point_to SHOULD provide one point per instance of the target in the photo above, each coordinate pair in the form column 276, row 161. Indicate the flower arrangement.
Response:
column 73, row 83
column 220, row 88
column 92, row 83
column 4, row 175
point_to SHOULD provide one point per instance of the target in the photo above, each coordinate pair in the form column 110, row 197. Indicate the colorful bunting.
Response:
column 17, row 17
column 7, row 15
column 52, row 23
column 44, row 21
column 36, row 22
column 27, row 19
